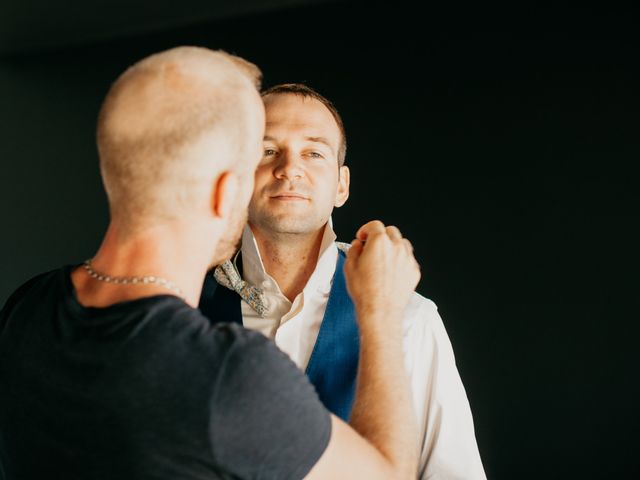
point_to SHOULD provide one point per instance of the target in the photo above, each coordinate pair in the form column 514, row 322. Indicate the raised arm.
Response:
column 382, row 441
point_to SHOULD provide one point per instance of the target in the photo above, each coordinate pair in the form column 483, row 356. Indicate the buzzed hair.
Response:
column 305, row 91
column 155, row 112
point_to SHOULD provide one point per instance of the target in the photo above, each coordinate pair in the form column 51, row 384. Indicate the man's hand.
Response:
column 381, row 271
column 381, row 274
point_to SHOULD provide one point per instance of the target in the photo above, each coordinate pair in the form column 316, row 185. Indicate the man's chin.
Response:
column 291, row 226
column 283, row 220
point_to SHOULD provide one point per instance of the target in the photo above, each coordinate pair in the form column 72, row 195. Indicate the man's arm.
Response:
column 382, row 442
column 449, row 447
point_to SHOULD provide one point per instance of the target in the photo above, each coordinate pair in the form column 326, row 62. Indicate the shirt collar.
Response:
column 320, row 280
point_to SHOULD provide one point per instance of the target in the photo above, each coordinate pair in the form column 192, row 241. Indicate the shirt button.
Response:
column 265, row 284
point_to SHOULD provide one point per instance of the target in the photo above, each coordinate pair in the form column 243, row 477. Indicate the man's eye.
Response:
column 269, row 151
column 315, row 155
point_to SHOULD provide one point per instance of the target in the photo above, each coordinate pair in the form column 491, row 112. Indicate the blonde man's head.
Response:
column 169, row 125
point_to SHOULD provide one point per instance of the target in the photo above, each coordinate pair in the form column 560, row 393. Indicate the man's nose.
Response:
column 289, row 166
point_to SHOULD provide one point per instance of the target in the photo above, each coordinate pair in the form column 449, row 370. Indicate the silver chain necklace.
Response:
column 146, row 280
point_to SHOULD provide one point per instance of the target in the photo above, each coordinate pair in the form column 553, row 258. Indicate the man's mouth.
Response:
column 289, row 197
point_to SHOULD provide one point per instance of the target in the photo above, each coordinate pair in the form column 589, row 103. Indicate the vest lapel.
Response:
column 218, row 303
column 333, row 365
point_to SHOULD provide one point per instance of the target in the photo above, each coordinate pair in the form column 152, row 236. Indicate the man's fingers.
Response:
column 381, row 268
column 355, row 250
column 374, row 226
column 394, row 233
column 408, row 245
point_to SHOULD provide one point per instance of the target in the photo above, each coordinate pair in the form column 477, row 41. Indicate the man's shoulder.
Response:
column 43, row 277
column 422, row 320
column 419, row 301
column 198, row 330
column 30, row 288
column 222, row 341
column 422, row 309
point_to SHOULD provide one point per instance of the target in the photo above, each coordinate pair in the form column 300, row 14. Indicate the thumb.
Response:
column 355, row 251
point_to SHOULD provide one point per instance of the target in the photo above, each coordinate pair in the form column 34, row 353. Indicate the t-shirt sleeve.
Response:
column 15, row 299
column 266, row 420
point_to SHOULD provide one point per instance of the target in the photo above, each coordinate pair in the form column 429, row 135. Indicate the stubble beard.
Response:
column 284, row 224
column 231, row 240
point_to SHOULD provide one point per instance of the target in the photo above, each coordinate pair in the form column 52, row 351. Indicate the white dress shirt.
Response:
column 449, row 450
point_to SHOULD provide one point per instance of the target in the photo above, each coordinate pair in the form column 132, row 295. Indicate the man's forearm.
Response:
column 383, row 409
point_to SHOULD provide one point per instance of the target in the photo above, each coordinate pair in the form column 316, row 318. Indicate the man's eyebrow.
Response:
column 319, row 140
column 323, row 140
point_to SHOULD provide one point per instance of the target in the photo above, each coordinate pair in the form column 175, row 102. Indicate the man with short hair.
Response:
column 107, row 369
column 289, row 272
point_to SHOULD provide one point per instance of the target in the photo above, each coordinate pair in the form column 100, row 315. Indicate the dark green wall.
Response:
column 501, row 143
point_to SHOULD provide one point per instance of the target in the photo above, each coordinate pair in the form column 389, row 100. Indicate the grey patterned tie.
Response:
column 228, row 276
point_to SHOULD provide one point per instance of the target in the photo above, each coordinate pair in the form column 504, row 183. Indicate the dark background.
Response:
column 500, row 140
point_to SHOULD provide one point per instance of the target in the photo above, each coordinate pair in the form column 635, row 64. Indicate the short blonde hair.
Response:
column 152, row 116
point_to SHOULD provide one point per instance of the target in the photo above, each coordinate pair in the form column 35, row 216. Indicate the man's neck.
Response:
column 289, row 258
column 153, row 253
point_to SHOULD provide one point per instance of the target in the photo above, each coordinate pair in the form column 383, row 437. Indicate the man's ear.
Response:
column 343, row 186
column 224, row 194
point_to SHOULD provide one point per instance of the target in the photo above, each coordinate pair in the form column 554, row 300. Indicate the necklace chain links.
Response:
column 145, row 280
